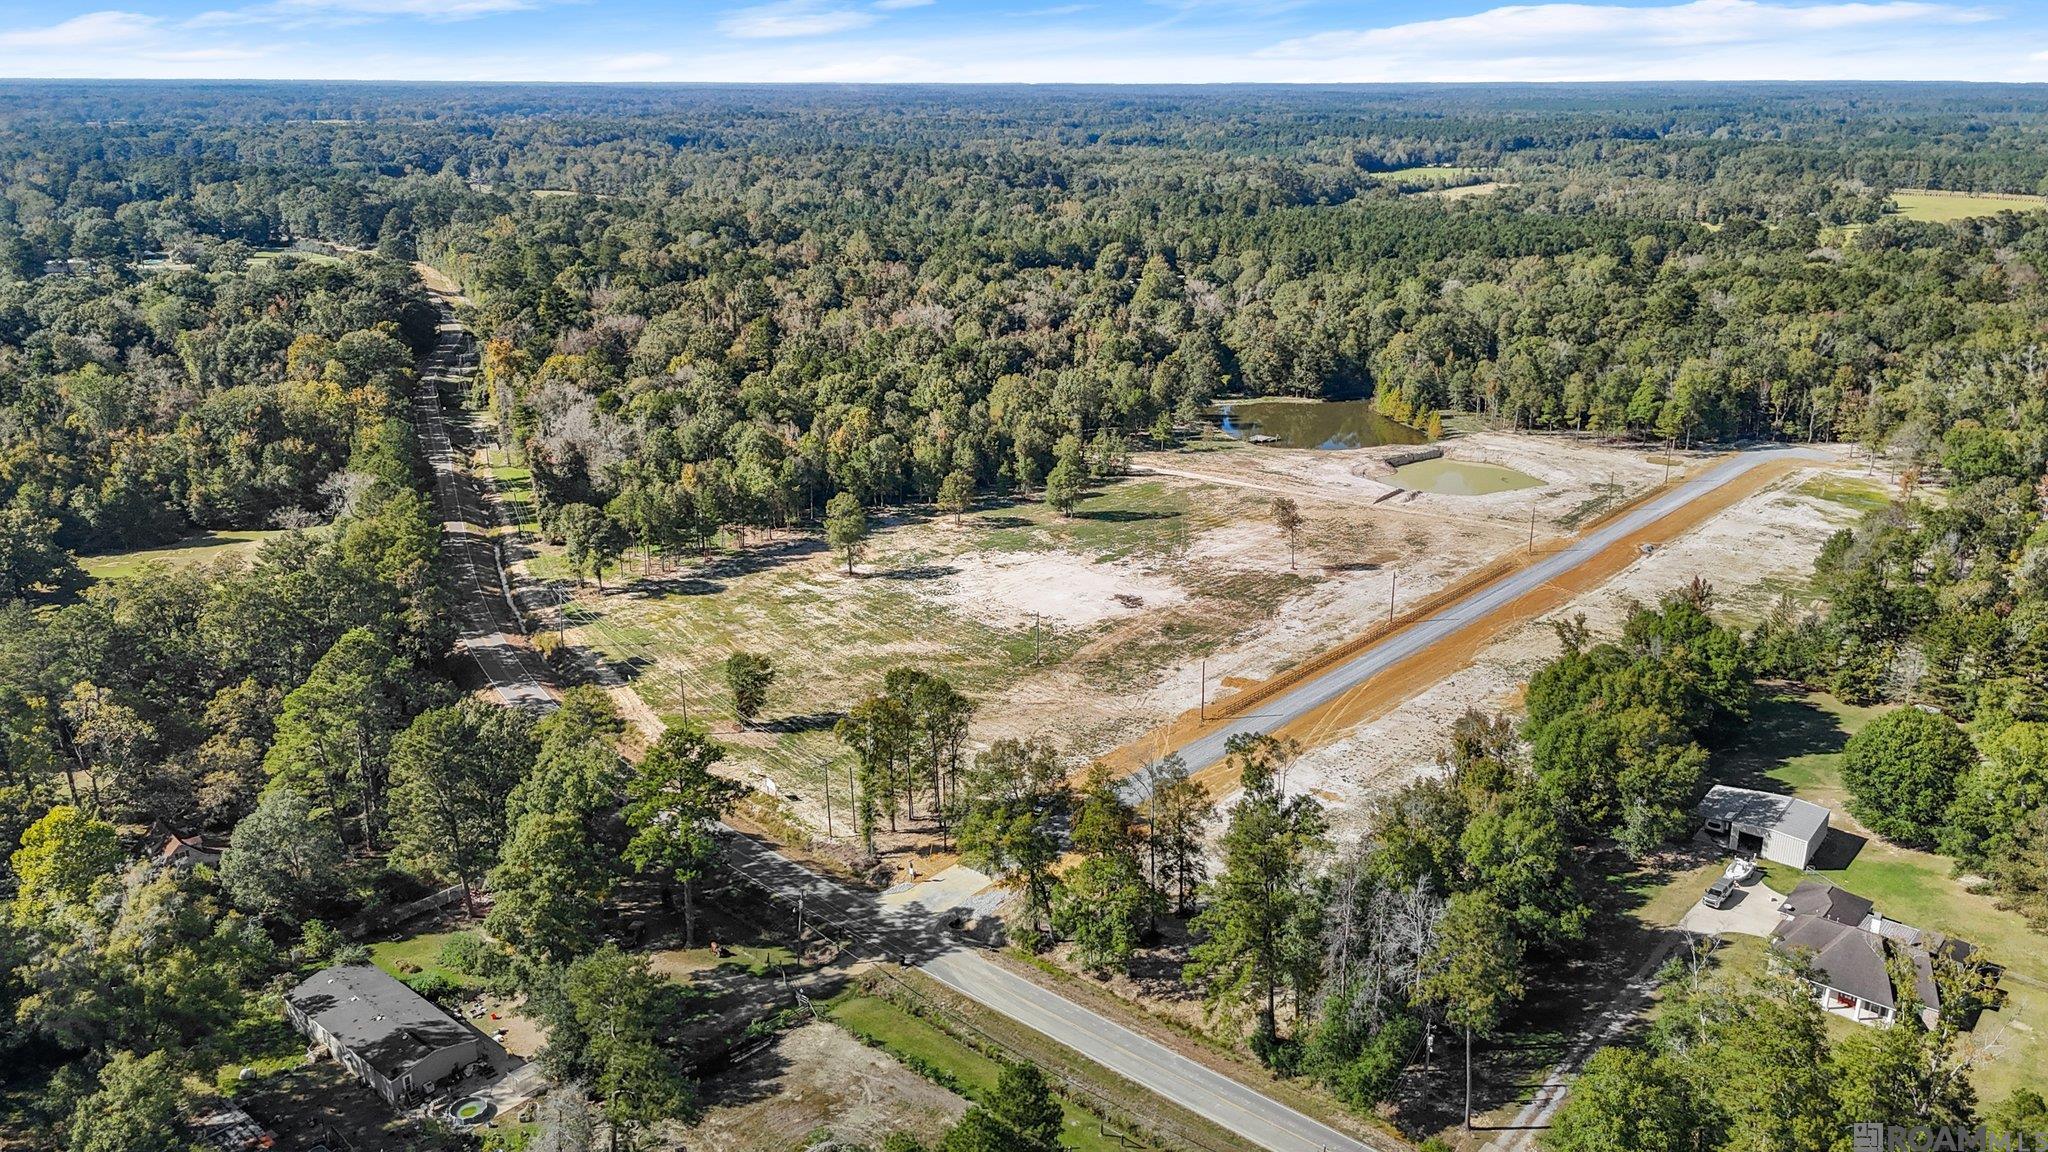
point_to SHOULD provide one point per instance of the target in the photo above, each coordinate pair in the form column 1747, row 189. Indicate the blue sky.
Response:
column 1039, row 41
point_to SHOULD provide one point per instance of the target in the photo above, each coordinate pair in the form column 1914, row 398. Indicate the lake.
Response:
column 1327, row 425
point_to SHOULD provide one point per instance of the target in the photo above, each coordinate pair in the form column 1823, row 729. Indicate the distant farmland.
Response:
column 1938, row 207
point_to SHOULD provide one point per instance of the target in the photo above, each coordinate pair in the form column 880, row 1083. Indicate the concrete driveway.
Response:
column 1752, row 912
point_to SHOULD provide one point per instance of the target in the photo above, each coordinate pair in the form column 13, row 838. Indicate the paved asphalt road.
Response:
column 485, row 622
column 917, row 935
column 1320, row 690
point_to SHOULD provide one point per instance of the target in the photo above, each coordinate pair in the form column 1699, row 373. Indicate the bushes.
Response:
column 472, row 955
column 436, row 987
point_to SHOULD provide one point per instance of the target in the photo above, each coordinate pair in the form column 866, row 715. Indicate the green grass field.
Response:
column 1937, row 207
column 207, row 546
column 514, row 482
column 1795, row 743
column 931, row 1051
column 1860, row 495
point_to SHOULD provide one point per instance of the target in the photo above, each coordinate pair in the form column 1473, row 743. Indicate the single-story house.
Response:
column 189, row 850
column 1847, row 967
column 390, row 1036
column 1777, row 828
column 1841, row 931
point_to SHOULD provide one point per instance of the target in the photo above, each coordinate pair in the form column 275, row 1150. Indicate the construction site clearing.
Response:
column 1169, row 596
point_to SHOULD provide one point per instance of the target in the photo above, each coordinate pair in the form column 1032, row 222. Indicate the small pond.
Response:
column 1446, row 477
column 1329, row 425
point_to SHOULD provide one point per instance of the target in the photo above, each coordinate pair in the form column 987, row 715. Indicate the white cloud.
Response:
column 899, row 5
column 92, row 30
column 793, row 18
column 1625, row 35
column 801, row 40
column 341, row 13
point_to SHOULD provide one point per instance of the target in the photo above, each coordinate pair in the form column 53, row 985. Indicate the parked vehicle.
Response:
column 1719, row 893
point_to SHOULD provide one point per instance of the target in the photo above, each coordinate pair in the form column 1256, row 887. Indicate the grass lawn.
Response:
column 1794, row 744
column 191, row 550
column 1861, row 495
column 931, row 1051
column 514, row 483
column 423, row 952
column 260, row 1041
column 1936, row 207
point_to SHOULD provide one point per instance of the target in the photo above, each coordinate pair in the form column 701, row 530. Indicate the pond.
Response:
column 1446, row 477
column 1328, row 425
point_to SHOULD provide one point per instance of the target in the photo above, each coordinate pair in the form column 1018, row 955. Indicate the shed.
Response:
column 1778, row 828
column 390, row 1036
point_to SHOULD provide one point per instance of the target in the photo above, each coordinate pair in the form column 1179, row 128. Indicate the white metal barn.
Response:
column 1780, row 829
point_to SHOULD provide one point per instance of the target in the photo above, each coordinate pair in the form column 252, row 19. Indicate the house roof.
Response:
column 1845, row 957
column 1765, row 810
column 389, row 1026
column 174, row 843
column 1813, row 898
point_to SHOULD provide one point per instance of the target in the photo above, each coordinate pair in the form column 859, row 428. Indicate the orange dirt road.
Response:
column 1392, row 663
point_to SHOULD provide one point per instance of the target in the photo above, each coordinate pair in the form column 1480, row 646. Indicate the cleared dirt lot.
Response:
column 1753, row 552
column 1091, row 629
column 814, row 1084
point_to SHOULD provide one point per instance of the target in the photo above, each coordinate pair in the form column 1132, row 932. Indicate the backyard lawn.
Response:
column 416, row 956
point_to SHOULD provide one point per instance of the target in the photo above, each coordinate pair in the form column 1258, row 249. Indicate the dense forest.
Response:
column 714, row 309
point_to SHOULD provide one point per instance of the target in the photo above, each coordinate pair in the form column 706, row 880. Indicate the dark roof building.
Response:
column 1813, row 898
column 390, row 1036
column 1848, row 966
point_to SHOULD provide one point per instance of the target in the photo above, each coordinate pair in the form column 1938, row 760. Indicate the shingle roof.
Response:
column 389, row 1026
column 1846, row 958
column 1797, row 818
column 1813, row 898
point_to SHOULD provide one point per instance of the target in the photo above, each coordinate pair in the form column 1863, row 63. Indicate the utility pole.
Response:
column 828, row 800
column 1203, row 708
column 1391, row 586
column 1468, row 1077
column 1532, row 528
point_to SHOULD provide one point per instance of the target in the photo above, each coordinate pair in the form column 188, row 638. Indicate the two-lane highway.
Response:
column 486, row 625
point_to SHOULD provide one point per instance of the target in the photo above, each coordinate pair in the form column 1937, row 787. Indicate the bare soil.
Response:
column 1751, row 553
column 817, row 1082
